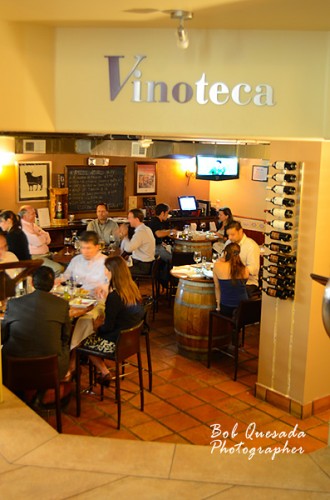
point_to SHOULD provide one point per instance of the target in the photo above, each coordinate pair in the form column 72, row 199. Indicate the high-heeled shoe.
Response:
column 104, row 379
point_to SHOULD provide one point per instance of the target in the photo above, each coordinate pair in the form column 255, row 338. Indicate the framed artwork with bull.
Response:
column 33, row 180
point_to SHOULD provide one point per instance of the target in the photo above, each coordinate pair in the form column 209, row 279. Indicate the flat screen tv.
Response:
column 217, row 168
column 187, row 203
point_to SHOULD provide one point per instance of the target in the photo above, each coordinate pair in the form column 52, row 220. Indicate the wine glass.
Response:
column 203, row 226
column 112, row 244
column 197, row 257
column 67, row 242
column 214, row 257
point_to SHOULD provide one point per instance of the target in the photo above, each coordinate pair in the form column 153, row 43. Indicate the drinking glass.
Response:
column 102, row 245
column 67, row 242
column 197, row 257
column 214, row 257
column 112, row 244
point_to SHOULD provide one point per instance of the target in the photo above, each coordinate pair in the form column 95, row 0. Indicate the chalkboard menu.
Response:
column 89, row 186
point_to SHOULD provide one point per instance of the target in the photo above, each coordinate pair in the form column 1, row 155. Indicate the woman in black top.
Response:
column 225, row 218
column 123, row 309
column 16, row 239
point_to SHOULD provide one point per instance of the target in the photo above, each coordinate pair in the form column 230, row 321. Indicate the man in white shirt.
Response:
column 38, row 239
column 88, row 266
column 105, row 228
column 142, row 246
column 249, row 254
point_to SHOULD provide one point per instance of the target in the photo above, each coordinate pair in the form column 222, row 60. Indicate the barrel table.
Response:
column 201, row 245
column 195, row 298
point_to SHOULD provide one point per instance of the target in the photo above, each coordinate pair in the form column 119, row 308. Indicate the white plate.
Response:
column 208, row 273
column 81, row 303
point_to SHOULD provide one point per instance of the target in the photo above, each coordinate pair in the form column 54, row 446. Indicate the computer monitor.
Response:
column 187, row 203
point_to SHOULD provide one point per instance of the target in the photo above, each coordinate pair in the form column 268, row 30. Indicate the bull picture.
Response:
column 33, row 181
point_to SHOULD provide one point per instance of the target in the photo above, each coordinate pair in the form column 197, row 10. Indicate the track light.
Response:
column 181, row 33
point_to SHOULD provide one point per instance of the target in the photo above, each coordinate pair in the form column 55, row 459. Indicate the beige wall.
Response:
column 293, row 63
column 27, row 67
column 243, row 196
column 57, row 79
column 294, row 349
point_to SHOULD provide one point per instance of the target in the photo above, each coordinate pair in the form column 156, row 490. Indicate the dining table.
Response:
column 195, row 298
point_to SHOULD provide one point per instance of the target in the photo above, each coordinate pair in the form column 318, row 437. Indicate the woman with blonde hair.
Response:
column 123, row 309
column 230, row 276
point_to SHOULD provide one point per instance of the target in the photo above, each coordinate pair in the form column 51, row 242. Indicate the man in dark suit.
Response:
column 37, row 324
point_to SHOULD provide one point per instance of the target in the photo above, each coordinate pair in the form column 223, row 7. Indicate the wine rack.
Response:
column 282, row 219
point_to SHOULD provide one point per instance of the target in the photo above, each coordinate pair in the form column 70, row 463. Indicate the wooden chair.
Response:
column 8, row 284
column 178, row 259
column 38, row 373
column 228, row 330
column 127, row 345
column 153, row 279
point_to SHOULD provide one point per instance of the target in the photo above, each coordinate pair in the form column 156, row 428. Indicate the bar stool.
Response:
column 229, row 329
column 128, row 344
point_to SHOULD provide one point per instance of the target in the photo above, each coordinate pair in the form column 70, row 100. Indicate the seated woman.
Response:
column 225, row 218
column 123, row 309
column 230, row 276
column 16, row 239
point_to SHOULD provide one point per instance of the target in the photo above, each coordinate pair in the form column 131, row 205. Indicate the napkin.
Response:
column 213, row 227
column 193, row 226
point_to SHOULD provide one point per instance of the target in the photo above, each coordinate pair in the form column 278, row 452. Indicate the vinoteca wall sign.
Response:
column 202, row 91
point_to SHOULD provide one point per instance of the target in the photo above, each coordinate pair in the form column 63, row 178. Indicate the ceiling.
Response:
column 309, row 15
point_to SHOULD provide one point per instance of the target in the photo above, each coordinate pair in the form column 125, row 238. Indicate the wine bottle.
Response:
column 285, row 165
column 280, row 270
column 280, row 224
column 279, row 282
column 276, row 235
column 274, row 292
column 282, row 213
column 283, row 177
column 277, row 200
column 280, row 259
column 282, row 189
column 277, row 247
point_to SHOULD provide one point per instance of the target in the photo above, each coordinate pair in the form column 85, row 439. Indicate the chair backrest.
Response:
column 249, row 312
column 155, row 267
column 39, row 373
column 182, row 258
column 128, row 342
column 8, row 284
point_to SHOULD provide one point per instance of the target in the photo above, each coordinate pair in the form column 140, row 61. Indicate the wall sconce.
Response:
column 189, row 174
column 181, row 33
column 7, row 150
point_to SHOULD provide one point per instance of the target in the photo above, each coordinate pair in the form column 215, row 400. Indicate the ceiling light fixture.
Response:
column 181, row 33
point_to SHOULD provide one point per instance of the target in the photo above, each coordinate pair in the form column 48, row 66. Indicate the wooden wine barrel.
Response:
column 193, row 302
column 205, row 247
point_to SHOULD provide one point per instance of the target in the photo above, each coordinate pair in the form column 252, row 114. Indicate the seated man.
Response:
column 37, row 324
column 142, row 245
column 38, row 239
column 249, row 254
column 88, row 266
column 105, row 228
column 160, row 228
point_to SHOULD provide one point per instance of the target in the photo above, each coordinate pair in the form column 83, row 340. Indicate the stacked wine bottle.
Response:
column 280, row 267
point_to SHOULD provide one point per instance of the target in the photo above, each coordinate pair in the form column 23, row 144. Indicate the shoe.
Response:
column 104, row 379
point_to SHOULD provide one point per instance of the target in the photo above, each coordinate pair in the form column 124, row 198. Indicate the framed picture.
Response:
column 145, row 177
column 33, row 180
column 259, row 173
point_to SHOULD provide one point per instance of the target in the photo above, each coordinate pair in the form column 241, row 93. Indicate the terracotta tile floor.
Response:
column 187, row 397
